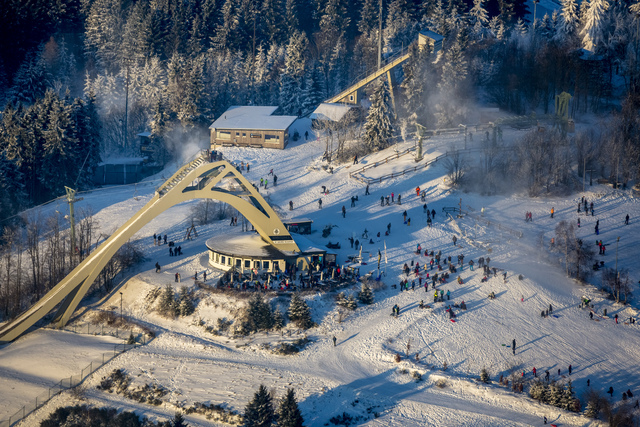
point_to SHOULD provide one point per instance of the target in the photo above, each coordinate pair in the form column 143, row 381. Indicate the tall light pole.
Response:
column 120, row 307
column 535, row 4
column 617, row 273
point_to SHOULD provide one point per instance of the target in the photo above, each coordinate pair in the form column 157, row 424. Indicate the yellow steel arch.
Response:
column 196, row 180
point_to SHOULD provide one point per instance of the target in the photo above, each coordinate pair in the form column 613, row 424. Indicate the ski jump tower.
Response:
column 198, row 179
column 354, row 93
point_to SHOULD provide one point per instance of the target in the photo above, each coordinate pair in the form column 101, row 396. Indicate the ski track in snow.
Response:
column 360, row 376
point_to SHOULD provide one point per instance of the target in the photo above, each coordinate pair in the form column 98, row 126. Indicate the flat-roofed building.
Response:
column 251, row 126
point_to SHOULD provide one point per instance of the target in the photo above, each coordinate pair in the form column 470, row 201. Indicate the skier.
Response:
column 550, row 309
column 381, row 200
column 424, row 208
column 290, row 205
column 157, row 267
column 357, row 243
column 404, row 216
column 455, row 239
column 275, row 180
column 204, row 276
column 626, row 220
column 433, row 214
column 399, row 197
column 448, row 295
column 176, row 277
column 389, row 228
column 513, row 346
column 355, row 159
column 165, row 239
column 535, row 372
column 154, row 238
column 610, row 391
column 552, row 212
column 351, row 241
column 353, row 202
column 334, row 340
column 546, row 376
column 344, row 212
column 569, row 369
column 366, row 191
column 417, row 191
column 320, row 203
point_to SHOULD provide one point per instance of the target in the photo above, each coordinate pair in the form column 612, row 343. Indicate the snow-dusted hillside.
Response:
column 360, row 376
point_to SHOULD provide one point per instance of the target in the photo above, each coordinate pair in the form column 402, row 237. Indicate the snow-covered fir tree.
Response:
column 484, row 376
column 537, row 391
column 259, row 314
column 289, row 414
column 351, row 302
column 568, row 397
column 366, row 294
column 259, row 412
column 594, row 25
column 568, row 22
column 378, row 129
column 520, row 28
column 341, row 299
column 185, row 303
column 168, row 306
column 479, row 19
column 300, row 313
column 278, row 319
column 554, row 396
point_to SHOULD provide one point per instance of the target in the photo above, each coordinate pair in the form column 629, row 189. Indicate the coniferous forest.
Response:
column 80, row 78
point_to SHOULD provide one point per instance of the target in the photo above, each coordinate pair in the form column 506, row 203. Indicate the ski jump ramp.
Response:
column 198, row 179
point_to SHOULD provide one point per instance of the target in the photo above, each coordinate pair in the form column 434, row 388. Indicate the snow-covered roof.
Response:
column 122, row 161
column 244, row 245
column 307, row 246
column 330, row 111
column 296, row 220
column 252, row 117
column 432, row 35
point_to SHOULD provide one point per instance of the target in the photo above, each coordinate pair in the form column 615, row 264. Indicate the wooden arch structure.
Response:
column 198, row 179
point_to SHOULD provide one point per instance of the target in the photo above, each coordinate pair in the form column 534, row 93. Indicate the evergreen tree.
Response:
column 272, row 19
column 594, row 25
column 288, row 412
column 291, row 18
column 259, row 314
column 555, row 395
column 520, row 28
column 366, row 294
column 59, row 157
column 178, row 420
column 568, row 19
column 368, row 22
column 479, row 18
column 278, row 319
column 168, row 306
column 568, row 397
column 29, row 83
column 399, row 30
column 378, row 128
column 351, row 303
column 313, row 92
column 341, row 299
column 484, row 376
column 537, row 391
column 12, row 194
column 104, row 31
column 185, row 303
column 259, row 412
column 300, row 313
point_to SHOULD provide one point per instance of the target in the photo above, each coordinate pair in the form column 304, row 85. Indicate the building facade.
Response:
column 251, row 126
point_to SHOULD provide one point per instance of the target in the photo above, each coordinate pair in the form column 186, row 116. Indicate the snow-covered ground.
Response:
column 360, row 376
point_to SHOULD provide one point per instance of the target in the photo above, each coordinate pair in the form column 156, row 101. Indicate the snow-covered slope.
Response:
column 360, row 376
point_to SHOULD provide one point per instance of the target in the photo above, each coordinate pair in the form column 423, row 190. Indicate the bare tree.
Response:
column 457, row 167
column 617, row 282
